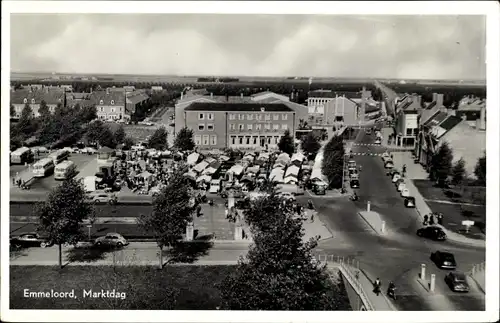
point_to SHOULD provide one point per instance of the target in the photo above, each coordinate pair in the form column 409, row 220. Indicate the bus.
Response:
column 43, row 167
column 59, row 156
column 21, row 155
column 64, row 170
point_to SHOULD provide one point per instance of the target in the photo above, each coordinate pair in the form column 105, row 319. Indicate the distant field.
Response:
column 136, row 132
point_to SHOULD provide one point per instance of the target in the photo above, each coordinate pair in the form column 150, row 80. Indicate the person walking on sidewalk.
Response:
column 312, row 217
column 440, row 218
column 404, row 170
column 377, row 286
column 431, row 219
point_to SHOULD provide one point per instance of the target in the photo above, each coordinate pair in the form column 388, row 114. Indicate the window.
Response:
column 240, row 140
column 232, row 126
column 276, row 117
column 112, row 109
column 284, row 127
column 250, row 116
column 249, row 126
column 233, row 140
column 102, row 109
column 339, row 118
column 241, row 117
column 267, row 126
column 276, row 126
column 206, row 139
column 241, row 126
column 197, row 140
column 248, row 140
column 213, row 140
column 210, row 116
column 232, row 117
column 268, row 117
column 112, row 102
column 409, row 131
column 101, row 102
column 201, row 116
column 259, row 117
column 284, row 117
column 210, row 127
column 201, row 127
column 258, row 126
column 25, row 100
column 254, row 140
column 121, row 109
column 32, row 101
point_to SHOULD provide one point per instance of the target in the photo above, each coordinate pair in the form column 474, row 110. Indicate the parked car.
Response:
column 388, row 164
column 432, row 232
column 385, row 155
column 401, row 186
column 444, row 260
column 409, row 202
column 368, row 131
column 399, row 181
column 405, row 192
column 31, row 239
column 111, row 240
column 378, row 141
column 395, row 177
column 354, row 183
column 457, row 281
column 351, row 165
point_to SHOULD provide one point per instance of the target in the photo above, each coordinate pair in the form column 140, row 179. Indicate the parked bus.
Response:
column 21, row 155
column 43, row 167
column 64, row 170
column 59, row 156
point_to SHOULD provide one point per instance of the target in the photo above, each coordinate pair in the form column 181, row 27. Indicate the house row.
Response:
column 425, row 127
column 111, row 104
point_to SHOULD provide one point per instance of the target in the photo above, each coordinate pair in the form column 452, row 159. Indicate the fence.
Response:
column 346, row 265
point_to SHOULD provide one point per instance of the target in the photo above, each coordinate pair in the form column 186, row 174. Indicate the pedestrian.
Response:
column 312, row 217
column 440, row 218
column 14, row 181
column 377, row 286
column 431, row 219
column 426, row 218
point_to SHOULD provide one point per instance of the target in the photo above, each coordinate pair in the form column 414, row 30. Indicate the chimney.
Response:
column 439, row 99
column 211, row 95
column 291, row 96
column 241, row 95
column 419, row 100
column 482, row 118
column 107, row 90
column 182, row 95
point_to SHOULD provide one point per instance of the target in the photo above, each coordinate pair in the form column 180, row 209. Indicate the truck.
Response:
column 89, row 184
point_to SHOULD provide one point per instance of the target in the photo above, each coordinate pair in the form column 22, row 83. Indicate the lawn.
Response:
column 174, row 287
column 469, row 194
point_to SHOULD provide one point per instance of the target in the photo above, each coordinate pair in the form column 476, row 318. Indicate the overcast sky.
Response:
column 433, row 47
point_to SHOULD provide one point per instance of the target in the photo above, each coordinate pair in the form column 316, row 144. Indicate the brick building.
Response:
column 238, row 125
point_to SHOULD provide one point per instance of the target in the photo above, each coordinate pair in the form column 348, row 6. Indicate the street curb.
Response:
column 369, row 224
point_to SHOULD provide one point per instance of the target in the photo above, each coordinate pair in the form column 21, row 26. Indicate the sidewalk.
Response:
column 423, row 208
column 374, row 220
column 315, row 228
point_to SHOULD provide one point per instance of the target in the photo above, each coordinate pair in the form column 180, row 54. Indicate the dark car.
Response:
column 368, row 131
column 29, row 240
column 111, row 240
column 444, row 260
column 409, row 202
column 432, row 232
column 457, row 282
column 354, row 183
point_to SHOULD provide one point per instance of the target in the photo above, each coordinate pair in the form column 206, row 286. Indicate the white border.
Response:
column 491, row 9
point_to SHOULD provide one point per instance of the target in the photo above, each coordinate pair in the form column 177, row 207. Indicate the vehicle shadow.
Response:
column 188, row 252
column 87, row 253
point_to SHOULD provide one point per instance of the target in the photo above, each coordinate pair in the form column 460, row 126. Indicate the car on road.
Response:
column 378, row 141
column 432, row 232
column 101, row 198
column 444, row 260
column 405, row 192
column 395, row 177
column 111, row 239
column 354, row 183
column 351, row 165
column 354, row 174
column 457, row 281
column 88, row 150
column 29, row 240
column 385, row 155
column 368, row 131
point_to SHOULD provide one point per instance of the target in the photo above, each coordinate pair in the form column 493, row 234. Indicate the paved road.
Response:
column 389, row 96
column 398, row 256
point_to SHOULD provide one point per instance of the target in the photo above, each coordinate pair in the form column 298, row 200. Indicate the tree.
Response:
column 62, row 214
column 44, row 110
column 26, row 125
column 94, row 130
column 106, row 138
column 333, row 161
column 480, row 170
column 441, row 164
column 184, row 140
column 120, row 134
column 128, row 143
column 88, row 113
column 277, row 272
column 158, row 139
column 286, row 143
column 310, row 144
column 458, row 172
column 172, row 211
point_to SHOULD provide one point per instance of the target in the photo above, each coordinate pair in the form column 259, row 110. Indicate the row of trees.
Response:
column 65, row 125
column 443, row 170
column 333, row 162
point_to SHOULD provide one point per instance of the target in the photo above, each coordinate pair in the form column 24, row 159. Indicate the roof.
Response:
column 471, row 105
column 117, row 97
column 246, row 107
column 431, row 105
column 436, row 119
column 331, row 94
column 136, row 98
column 50, row 97
column 450, row 122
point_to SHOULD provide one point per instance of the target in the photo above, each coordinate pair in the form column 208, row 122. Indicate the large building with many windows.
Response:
column 238, row 125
